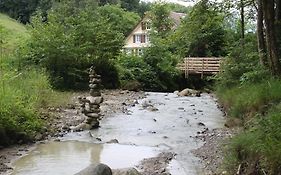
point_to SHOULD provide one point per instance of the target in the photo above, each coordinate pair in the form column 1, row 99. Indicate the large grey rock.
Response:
column 100, row 169
column 189, row 92
column 126, row 171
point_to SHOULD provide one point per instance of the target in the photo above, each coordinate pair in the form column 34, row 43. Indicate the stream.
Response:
column 161, row 122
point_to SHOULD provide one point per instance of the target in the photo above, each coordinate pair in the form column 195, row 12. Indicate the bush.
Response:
column 134, row 69
column 21, row 94
column 74, row 38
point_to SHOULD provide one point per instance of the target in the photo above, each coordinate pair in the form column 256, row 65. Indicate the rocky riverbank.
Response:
column 150, row 122
column 59, row 120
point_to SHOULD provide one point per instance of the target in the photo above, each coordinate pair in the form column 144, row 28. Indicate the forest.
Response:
column 49, row 46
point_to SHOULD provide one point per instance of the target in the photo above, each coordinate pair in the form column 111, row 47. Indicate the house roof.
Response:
column 176, row 17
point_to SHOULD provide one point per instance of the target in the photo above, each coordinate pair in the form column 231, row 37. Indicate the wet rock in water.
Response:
column 100, row 169
column 99, row 139
column 201, row 124
column 152, row 109
column 127, row 171
column 152, row 132
column 113, row 141
column 189, row 92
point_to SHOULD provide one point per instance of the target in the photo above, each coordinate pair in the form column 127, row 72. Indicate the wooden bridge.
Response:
column 201, row 66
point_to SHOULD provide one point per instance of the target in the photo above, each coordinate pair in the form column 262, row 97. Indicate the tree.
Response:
column 130, row 5
column 23, row 9
column 202, row 32
column 161, row 22
column 75, row 37
column 121, row 20
column 271, row 10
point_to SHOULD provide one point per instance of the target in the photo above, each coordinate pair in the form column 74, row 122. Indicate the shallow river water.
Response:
column 142, row 134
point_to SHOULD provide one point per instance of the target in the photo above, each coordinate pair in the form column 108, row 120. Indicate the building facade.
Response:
column 139, row 38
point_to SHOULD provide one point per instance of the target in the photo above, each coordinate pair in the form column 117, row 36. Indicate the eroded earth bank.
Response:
column 155, row 133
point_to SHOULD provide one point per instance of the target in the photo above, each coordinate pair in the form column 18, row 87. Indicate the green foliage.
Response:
column 120, row 20
column 20, row 95
column 179, row 8
column 23, row 9
column 258, row 149
column 75, row 37
column 130, row 5
column 242, row 65
column 202, row 33
column 250, row 98
column 135, row 69
column 161, row 22
column 22, row 92
column 11, row 33
column 164, row 64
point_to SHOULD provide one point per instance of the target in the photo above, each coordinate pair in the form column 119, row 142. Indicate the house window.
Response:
column 147, row 26
column 139, row 38
column 140, row 52
column 147, row 38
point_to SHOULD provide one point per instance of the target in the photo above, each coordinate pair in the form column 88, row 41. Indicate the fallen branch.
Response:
column 239, row 170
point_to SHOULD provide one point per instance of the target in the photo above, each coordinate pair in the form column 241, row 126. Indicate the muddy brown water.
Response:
column 142, row 134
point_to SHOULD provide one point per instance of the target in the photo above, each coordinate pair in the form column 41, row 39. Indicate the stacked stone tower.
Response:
column 91, row 105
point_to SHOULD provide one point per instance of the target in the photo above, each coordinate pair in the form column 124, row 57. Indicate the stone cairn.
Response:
column 90, row 105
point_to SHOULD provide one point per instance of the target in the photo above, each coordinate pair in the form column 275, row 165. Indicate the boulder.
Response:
column 189, row 92
column 126, row 171
column 100, row 169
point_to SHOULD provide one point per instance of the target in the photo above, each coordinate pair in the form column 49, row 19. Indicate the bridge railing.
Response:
column 197, row 65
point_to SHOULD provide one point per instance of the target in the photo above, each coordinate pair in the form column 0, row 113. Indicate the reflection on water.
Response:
column 59, row 158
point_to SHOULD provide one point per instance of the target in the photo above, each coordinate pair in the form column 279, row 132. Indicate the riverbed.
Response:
column 161, row 122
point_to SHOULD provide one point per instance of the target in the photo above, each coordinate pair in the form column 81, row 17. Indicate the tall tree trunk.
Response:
column 242, row 15
column 260, row 35
column 278, row 24
column 278, row 10
column 272, row 46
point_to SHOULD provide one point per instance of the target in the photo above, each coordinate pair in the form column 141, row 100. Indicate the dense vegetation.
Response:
column 249, row 89
column 22, row 92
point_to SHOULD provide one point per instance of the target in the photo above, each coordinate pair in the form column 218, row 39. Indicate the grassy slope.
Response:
column 11, row 33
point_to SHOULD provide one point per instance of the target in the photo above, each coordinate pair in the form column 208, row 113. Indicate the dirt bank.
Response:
column 211, row 154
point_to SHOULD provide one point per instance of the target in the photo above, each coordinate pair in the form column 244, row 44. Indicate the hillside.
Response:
column 11, row 33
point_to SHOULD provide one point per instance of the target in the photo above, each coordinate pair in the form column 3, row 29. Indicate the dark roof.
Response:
column 177, row 17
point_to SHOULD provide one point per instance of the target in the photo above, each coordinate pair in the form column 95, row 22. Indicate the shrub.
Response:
column 134, row 69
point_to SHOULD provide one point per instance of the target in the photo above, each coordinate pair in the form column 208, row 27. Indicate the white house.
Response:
column 139, row 39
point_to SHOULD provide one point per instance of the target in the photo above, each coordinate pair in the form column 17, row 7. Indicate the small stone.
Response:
column 113, row 141
column 93, row 115
column 99, row 139
column 95, row 100
column 95, row 93
column 201, row 124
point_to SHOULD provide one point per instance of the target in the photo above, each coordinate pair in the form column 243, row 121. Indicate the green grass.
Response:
column 245, row 101
column 11, row 33
column 258, row 147
column 24, row 92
